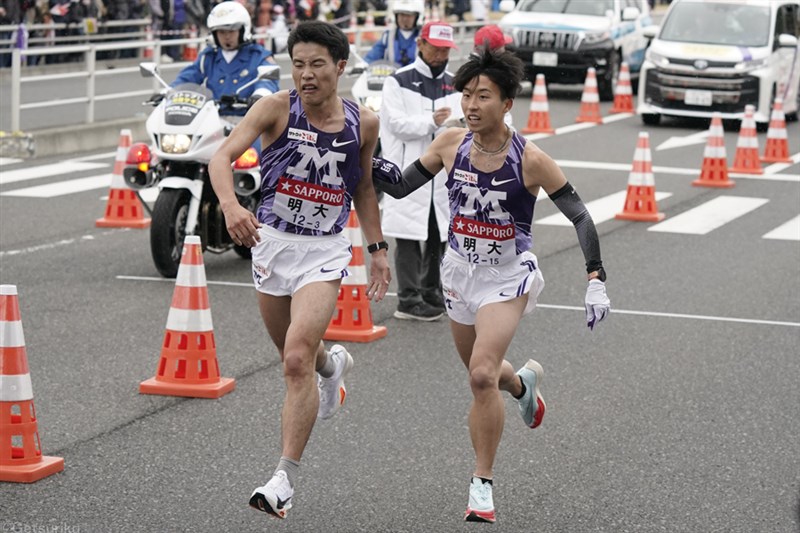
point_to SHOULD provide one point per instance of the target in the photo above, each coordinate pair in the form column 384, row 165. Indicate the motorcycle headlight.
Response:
column 178, row 143
column 373, row 103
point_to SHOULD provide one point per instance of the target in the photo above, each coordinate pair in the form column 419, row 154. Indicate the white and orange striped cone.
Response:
column 148, row 51
column 21, row 459
column 123, row 208
column 714, row 172
column 188, row 365
column 746, row 159
column 776, row 149
column 590, row 100
column 370, row 35
column 623, row 93
column 640, row 202
column 352, row 320
column 353, row 27
column 190, row 49
column 539, row 115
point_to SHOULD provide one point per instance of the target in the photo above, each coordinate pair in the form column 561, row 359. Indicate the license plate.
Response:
column 545, row 59
column 702, row 98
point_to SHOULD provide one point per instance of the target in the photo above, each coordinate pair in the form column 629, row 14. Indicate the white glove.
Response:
column 598, row 306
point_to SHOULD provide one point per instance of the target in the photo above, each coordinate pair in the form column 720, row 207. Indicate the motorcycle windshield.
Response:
column 183, row 104
column 377, row 73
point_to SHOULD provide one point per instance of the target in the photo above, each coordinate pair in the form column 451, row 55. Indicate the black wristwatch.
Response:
column 600, row 274
column 374, row 247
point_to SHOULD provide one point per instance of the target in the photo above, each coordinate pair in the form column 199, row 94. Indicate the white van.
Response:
column 721, row 55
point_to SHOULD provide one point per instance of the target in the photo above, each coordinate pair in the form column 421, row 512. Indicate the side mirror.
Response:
column 269, row 72
column 630, row 13
column 786, row 40
column 507, row 6
column 148, row 69
column 650, row 32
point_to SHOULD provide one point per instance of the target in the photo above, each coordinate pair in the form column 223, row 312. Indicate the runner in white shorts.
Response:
column 316, row 164
column 490, row 277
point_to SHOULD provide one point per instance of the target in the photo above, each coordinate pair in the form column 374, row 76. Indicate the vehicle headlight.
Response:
column 596, row 37
column 750, row 65
column 178, row 143
column 656, row 58
column 373, row 103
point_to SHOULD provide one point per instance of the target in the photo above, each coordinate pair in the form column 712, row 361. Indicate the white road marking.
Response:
column 540, row 306
column 602, row 209
column 790, row 231
column 63, row 187
column 709, row 216
column 8, row 161
column 47, row 171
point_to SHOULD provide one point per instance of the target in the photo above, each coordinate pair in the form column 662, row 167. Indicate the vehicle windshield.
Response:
column 596, row 8
column 717, row 23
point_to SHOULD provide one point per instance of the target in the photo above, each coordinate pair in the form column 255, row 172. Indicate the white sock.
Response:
column 329, row 367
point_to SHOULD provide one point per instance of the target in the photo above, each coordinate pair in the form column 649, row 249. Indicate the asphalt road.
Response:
column 678, row 414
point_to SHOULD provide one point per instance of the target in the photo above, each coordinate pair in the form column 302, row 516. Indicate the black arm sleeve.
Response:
column 388, row 178
column 568, row 201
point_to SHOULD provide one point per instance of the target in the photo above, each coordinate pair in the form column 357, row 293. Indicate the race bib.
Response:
column 308, row 205
column 485, row 244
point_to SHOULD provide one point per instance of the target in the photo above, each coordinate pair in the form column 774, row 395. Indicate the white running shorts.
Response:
column 468, row 287
column 283, row 263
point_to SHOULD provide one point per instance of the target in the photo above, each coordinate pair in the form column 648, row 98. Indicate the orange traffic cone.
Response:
column 123, row 209
column 590, row 100
column 353, row 28
column 190, row 49
column 776, row 149
column 188, row 364
column 147, row 51
column 352, row 320
column 21, row 459
column 539, row 115
column 370, row 35
column 746, row 158
column 623, row 94
column 714, row 172
column 640, row 202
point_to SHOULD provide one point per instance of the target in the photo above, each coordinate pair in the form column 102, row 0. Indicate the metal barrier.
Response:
column 90, row 73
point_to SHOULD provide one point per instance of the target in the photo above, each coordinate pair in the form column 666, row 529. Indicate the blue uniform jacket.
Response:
column 405, row 50
column 223, row 78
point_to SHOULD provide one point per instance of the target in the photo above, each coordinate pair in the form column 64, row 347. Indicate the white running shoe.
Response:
column 331, row 390
column 274, row 498
column 531, row 405
column 481, row 505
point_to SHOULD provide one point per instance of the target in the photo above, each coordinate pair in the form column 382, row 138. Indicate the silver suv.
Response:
column 563, row 38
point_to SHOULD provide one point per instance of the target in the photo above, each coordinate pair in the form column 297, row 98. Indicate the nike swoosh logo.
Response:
column 498, row 183
column 504, row 295
column 326, row 270
column 282, row 503
column 337, row 144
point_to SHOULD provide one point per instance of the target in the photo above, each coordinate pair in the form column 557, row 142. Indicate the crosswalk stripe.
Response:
column 709, row 216
column 8, row 161
column 63, row 187
column 790, row 231
column 602, row 209
column 46, row 171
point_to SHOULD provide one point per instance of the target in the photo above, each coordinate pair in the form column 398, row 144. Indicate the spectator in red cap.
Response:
column 424, row 103
column 492, row 37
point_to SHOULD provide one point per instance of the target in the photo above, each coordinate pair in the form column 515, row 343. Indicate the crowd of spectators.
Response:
column 172, row 19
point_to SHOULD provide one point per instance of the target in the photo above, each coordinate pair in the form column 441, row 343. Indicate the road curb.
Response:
column 85, row 137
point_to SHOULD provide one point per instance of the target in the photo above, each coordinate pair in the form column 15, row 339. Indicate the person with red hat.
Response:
column 423, row 101
column 492, row 37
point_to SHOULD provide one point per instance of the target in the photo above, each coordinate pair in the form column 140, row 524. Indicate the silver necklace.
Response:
column 484, row 151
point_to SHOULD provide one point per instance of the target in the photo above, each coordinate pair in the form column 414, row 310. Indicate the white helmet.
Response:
column 230, row 15
column 409, row 6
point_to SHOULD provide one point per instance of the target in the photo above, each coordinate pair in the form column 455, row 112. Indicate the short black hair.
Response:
column 504, row 68
column 323, row 34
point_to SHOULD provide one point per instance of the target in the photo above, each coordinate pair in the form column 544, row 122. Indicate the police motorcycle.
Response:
column 367, row 88
column 185, row 131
